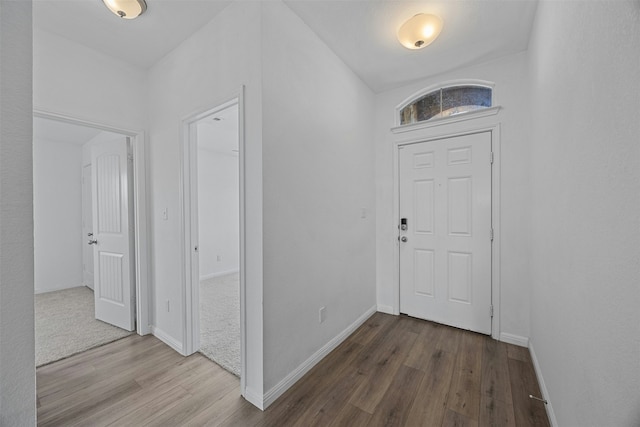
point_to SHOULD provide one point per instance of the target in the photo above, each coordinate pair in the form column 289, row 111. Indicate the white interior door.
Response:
column 112, row 250
column 445, row 251
column 87, row 228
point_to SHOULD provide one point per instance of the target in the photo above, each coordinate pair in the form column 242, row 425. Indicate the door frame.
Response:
column 189, row 227
column 141, row 234
column 444, row 131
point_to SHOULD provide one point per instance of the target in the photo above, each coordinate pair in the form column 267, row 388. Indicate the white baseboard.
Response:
column 218, row 274
column 55, row 288
column 385, row 309
column 514, row 339
column 299, row 372
column 167, row 339
column 253, row 398
column 543, row 387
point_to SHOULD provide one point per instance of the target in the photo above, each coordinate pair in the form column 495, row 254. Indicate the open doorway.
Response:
column 85, row 237
column 219, row 237
column 214, row 228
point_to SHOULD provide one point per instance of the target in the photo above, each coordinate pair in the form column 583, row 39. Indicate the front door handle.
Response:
column 93, row 242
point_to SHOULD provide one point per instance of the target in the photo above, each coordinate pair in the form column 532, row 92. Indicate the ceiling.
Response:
column 363, row 35
column 142, row 41
column 361, row 32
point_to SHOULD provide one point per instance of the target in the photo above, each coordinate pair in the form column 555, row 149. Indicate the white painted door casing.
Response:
column 445, row 263
column 114, row 274
column 87, row 227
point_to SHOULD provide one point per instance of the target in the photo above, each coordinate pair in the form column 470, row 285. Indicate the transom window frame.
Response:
column 438, row 121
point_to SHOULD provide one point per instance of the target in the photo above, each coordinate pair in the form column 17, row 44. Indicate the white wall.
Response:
column 511, row 93
column 74, row 80
column 57, row 215
column 318, row 175
column 17, row 367
column 585, row 167
column 218, row 213
column 203, row 72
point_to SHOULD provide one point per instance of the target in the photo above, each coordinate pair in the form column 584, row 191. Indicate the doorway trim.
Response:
column 449, row 131
column 138, row 142
column 189, row 227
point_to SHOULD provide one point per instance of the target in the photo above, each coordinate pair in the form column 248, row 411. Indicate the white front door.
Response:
column 445, row 250
column 87, row 228
column 113, row 263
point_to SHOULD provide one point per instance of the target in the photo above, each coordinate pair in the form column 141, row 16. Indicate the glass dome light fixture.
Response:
column 420, row 31
column 126, row 9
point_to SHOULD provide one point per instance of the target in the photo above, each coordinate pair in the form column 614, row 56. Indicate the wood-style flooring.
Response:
column 393, row 371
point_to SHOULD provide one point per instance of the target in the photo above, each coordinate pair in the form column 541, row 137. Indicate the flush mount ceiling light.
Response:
column 127, row 9
column 419, row 31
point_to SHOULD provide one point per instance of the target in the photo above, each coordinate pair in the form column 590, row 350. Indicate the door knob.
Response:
column 93, row 242
column 404, row 238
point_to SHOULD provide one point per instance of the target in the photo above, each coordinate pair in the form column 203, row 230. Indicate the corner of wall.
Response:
column 543, row 387
column 168, row 339
column 287, row 382
column 386, row 309
column 514, row 339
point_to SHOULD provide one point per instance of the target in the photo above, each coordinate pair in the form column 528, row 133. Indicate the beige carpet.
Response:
column 65, row 325
column 220, row 321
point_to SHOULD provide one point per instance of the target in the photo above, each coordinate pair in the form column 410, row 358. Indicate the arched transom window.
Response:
column 446, row 102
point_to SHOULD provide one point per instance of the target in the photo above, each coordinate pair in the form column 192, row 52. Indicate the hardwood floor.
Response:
column 393, row 371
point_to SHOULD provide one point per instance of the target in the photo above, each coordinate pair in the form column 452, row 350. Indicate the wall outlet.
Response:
column 322, row 314
column 165, row 214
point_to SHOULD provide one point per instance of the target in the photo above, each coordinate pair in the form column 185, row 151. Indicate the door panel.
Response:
column 109, row 182
column 113, row 263
column 423, row 194
column 459, row 284
column 445, row 262
column 459, row 209
column 423, row 281
column 111, row 279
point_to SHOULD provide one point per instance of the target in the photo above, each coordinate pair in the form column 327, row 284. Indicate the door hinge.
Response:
column 491, row 310
column 491, row 157
column 491, row 234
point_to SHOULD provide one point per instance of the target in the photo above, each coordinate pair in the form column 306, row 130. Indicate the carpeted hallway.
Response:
column 65, row 325
column 220, row 321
